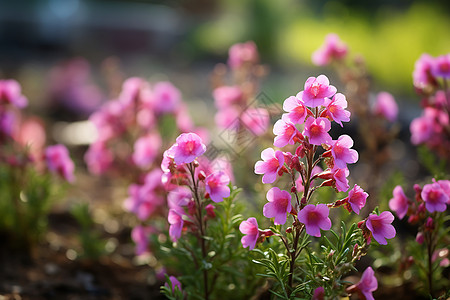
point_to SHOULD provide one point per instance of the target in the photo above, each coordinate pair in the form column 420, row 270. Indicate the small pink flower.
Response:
column 8, row 123
column 251, row 231
column 179, row 198
column 176, row 222
column 368, row 283
column 225, row 96
column 256, row 120
column 140, row 236
column 357, row 198
column 435, row 198
column 175, row 284
column 272, row 162
column 279, row 205
column 315, row 217
column 445, row 186
column 166, row 96
column 216, row 185
column 386, row 107
column 59, row 161
column 340, row 177
column 319, row 293
column 98, row 158
column 316, row 90
column 341, row 152
column 335, row 109
column 422, row 76
column 296, row 109
column 421, row 129
column 380, row 226
column 146, row 148
column 228, row 118
column 183, row 119
column 240, row 54
column 285, row 132
column 332, row 49
column 441, row 67
column 142, row 200
column 317, row 130
column 187, row 148
column 11, row 93
column 399, row 203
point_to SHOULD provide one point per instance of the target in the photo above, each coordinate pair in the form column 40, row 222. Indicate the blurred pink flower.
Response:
column 140, row 236
column 58, row 161
column 422, row 127
column 380, row 226
column 216, row 185
column 341, row 152
column 256, row 120
column 319, row 293
column 98, row 158
column 316, row 90
column 175, row 284
column 386, row 107
column 315, row 217
column 272, row 162
column 335, row 109
column 357, row 198
column 441, row 66
column 166, row 97
column 226, row 96
column 332, row 49
column 296, row 109
column 279, row 205
column 176, row 222
column 187, row 148
column 368, row 283
column 240, row 54
column 251, row 231
column 317, row 130
column 11, row 93
column 399, row 203
column 228, row 118
column 435, row 198
column 422, row 76
column 179, row 198
column 146, row 148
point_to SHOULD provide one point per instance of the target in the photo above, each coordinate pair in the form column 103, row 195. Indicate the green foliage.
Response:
column 436, row 166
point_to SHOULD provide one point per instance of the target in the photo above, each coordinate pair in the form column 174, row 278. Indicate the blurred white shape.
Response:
column 76, row 133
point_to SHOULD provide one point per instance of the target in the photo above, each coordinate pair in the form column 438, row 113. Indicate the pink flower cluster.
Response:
column 58, row 161
column 332, row 50
column 11, row 101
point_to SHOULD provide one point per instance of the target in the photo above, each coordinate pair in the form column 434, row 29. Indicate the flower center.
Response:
column 315, row 130
column 315, row 89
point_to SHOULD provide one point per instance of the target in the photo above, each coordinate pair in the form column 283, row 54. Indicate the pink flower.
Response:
column 421, row 129
column 279, row 205
column 187, row 148
column 445, row 186
column 315, row 217
column 399, row 203
column 142, row 200
column 272, row 162
column 227, row 118
column 357, row 198
column 316, row 90
column 386, row 106
column 317, row 130
column 368, row 283
column 380, row 226
column 340, row 177
column 296, row 109
column 108, row 120
column 166, row 96
column 176, row 222
column 422, row 75
column 216, row 185
column 59, row 161
column 175, row 284
column 10, row 93
column 420, row 238
column 183, row 119
column 179, row 198
column 341, row 152
column 225, row 96
column 98, row 158
column 256, row 120
column 285, row 132
column 240, row 54
column 251, row 231
column 335, row 109
column 332, row 49
column 140, row 236
column 146, row 148
column 441, row 67
column 319, row 293
column 8, row 123
column 435, row 198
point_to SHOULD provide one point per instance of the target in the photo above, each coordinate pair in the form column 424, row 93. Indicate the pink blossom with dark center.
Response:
column 340, row 177
column 256, row 120
column 315, row 217
column 98, row 158
column 216, row 185
column 441, row 67
column 399, row 203
column 187, row 148
column 59, row 161
column 225, row 96
column 368, row 283
column 317, row 131
column 386, row 107
column 11, row 93
column 166, row 96
column 175, row 219
column 295, row 108
column 272, row 162
column 335, row 109
column 240, row 54
column 380, row 226
column 251, row 231
column 279, row 205
column 435, row 198
column 285, row 132
column 357, row 198
column 341, row 152
column 140, row 236
column 316, row 90
column 332, row 49
column 146, row 148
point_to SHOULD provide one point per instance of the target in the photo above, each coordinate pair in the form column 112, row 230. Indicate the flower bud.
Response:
column 191, row 208
column 419, row 238
column 201, row 175
column 293, row 189
column 196, row 164
column 210, row 211
column 429, row 225
column 355, row 250
column 289, row 230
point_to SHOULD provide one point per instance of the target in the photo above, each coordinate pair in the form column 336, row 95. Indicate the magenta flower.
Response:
column 225, row 96
column 445, row 186
column 240, row 54
column 140, row 236
column 340, row 177
column 279, row 205
column 146, row 148
column 315, row 217
column 441, row 67
column 422, row 127
column 380, row 226
column 176, row 222
column 422, row 76
column 256, row 120
column 296, row 109
column 179, row 198
column 399, row 203
column 368, row 283
column 332, row 49
column 8, row 123
column 272, row 162
column 317, row 131
column 142, row 200
column 166, row 97
column 285, row 132
column 357, row 198
column 251, row 231
column 341, row 152
column 11, row 93
column 386, row 107
column 216, row 185
column 435, row 198
column 316, row 90
column 319, row 293
column 335, row 109
column 59, row 161
column 187, row 148
column 98, row 158
column 175, row 284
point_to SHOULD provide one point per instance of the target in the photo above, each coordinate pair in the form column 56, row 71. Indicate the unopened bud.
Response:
column 289, row 230
column 429, row 224
column 355, row 250
column 196, row 164
column 419, row 238
column 201, row 175
column 293, row 190
column 361, row 224
column 330, row 255
column 413, row 219
column 206, row 196
column 191, row 207
column 210, row 211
